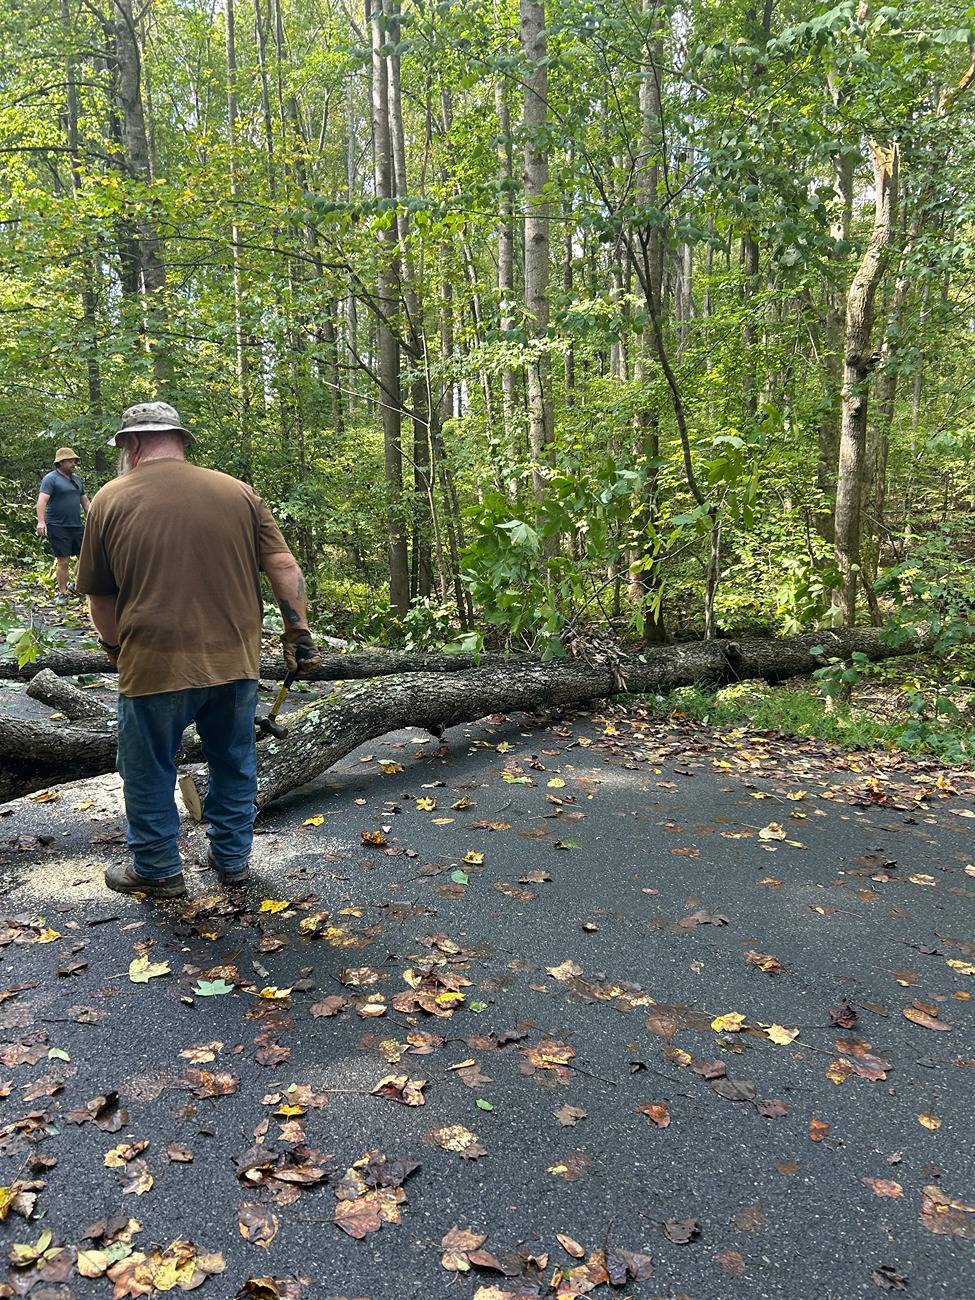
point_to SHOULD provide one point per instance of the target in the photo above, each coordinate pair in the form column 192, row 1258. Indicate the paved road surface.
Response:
column 621, row 873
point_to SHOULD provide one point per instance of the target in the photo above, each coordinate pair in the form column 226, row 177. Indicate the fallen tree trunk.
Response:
column 76, row 704
column 350, row 715
column 369, row 662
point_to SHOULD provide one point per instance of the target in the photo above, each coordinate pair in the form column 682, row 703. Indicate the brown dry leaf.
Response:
column 657, row 1111
column 946, row 1217
column 919, row 1017
column 376, row 839
column 764, row 961
column 207, row 1083
column 178, row 1155
column 569, row 1115
column 368, row 1212
column 883, row 1187
column 565, row 971
column 571, row 1167
column 681, row 1231
column 732, row 1261
column 818, row 1129
column 455, row 1137
column 401, row 1088
column 328, row 1006
column 570, row 1246
column 750, row 1218
column 549, row 1054
column 457, row 1245
column 258, row 1224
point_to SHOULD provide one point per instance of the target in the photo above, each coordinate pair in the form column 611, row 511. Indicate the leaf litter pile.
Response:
column 570, row 1010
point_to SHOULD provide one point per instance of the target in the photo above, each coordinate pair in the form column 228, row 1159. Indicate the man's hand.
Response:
column 301, row 655
column 112, row 651
column 41, row 528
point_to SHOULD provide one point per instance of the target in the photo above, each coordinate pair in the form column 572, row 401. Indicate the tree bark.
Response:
column 389, row 352
column 36, row 755
column 240, row 342
column 534, row 47
column 148, row 245
column 858, row 362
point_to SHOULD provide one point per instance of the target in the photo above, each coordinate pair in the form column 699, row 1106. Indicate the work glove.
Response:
column 112, row 651
column 301, row 655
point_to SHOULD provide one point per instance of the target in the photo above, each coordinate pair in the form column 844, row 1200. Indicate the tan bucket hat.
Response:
column 65, row 453
column 150, row 417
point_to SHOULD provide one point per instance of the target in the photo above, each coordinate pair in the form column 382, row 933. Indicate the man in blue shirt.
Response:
column 59, row 505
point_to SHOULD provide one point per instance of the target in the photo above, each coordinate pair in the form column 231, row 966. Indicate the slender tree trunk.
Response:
column 843, row 165
column 534, row 47
column 513, row 434
column 93, row 372
column 148, row 246
column 240, row 342
column 388, row 297
column 858, row 362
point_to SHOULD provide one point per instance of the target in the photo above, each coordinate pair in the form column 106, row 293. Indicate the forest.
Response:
column 534, row 325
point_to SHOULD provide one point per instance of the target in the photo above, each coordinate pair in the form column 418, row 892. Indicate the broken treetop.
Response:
column 181, row 548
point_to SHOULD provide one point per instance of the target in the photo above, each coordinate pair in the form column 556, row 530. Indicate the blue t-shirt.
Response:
column 64, row 507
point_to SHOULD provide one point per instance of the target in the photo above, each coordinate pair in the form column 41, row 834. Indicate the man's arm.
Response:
column 102, row 611
column 42, row 499
column 85, row 503
column 288, row 584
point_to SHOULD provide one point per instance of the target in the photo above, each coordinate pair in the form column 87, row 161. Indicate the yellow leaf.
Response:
column 425, row 804
column 962, row 967
column 46, row 935
column 473, row 859
column 141, row 970
column 318, row 820
column 442, row 821
column 556, row 783
column 274, row 994
column 275, row 905
column 730, row 1023
column 773, row 831
column 929, row 1121
column 779, row 1034
column 46, row 796
column 921, row 878
column 391, row 768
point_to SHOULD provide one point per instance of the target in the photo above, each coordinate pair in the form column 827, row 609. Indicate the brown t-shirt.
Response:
column 181, row 549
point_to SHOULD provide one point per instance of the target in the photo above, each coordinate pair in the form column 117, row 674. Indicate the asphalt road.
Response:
column 630, row 870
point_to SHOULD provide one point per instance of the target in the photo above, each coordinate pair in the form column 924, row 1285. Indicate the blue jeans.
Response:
column 150, row 731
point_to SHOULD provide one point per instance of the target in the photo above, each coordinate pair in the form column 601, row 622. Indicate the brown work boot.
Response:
column 237, row 877
column 124, row 880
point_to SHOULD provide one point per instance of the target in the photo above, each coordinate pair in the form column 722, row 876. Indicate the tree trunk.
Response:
column 243, row 393
column 148, row 246
column 506, row 278
column 858, row 362
column 389, row 352
column 40, row 754
column 833, row 345
column 534, row 47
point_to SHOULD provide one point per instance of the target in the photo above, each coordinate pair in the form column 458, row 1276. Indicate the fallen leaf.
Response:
column 779, row 1034
column 929, row 1122
column 657, row 1111
column 888, row 1278
column 681, row 1231
column 764, row 961
column 918, row 1017
column 457, row 1245
column 258, row 1224
column 730, row 1023
column 569, row 1115
column 570, row 1246
column 818, row 1129
column 941, row 1215
column 454, row 1137
column 141, row 970
column 884, row 1187
column 401, row 1088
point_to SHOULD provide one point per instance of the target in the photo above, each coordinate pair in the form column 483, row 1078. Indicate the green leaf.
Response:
column 58, row 1054
column 459, row 877
column 477, row 1007
column 481, row 1104
column 212, row 988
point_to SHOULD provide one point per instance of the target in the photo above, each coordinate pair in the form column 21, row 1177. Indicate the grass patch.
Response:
column 802, row 710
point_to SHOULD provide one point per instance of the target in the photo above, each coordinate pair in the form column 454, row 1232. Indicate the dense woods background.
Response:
column 524, row 320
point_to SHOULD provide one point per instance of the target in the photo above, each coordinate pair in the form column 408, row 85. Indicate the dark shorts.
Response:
column 65, row 541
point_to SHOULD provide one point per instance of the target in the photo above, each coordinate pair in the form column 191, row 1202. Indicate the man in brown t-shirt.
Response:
column 171, row 563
